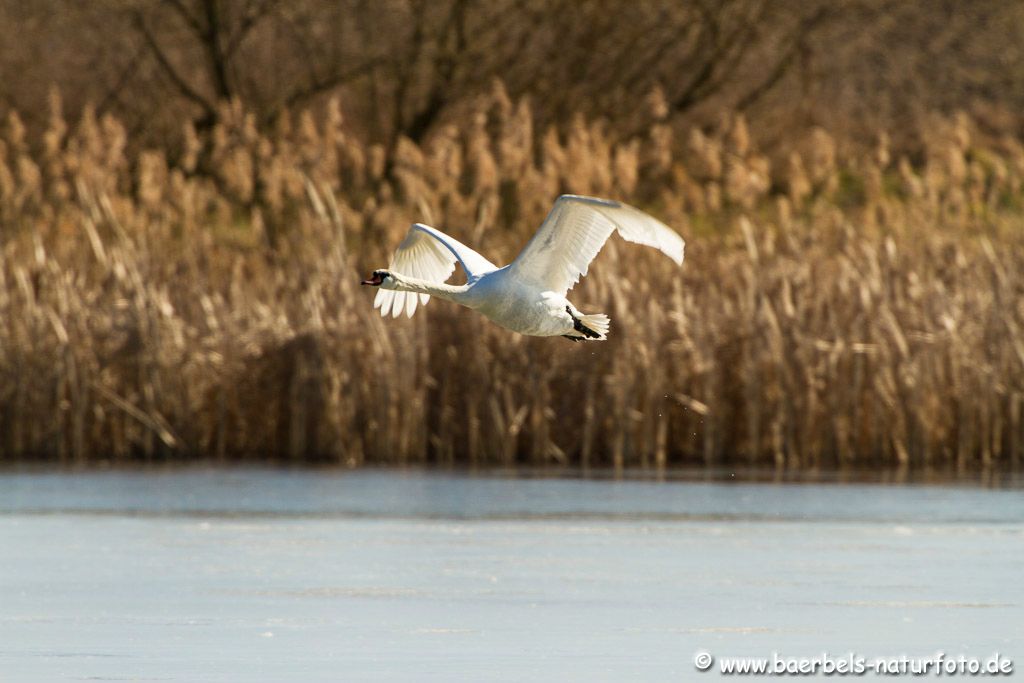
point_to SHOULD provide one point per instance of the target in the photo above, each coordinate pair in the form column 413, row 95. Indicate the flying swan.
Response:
column 528, row 295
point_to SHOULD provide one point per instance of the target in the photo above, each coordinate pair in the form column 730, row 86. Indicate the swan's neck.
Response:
column 442, row 290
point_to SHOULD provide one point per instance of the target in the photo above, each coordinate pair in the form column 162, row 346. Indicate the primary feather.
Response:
column 427, row 254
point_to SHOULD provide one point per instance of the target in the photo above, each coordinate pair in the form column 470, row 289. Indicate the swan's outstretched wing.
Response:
column 574, row 232
column 427, row 254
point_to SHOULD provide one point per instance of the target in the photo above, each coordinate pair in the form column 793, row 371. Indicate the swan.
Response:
column 527, row 296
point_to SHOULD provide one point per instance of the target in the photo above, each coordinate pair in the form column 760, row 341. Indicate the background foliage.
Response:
column 190, row 190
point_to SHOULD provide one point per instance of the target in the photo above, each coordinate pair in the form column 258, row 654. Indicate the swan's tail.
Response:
column 595, row 323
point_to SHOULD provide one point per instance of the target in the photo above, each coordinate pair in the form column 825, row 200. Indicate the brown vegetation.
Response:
column 837, row 306
column 405, row 67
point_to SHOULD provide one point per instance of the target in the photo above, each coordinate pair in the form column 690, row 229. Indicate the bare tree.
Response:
column 402, row 66
column 266, row 53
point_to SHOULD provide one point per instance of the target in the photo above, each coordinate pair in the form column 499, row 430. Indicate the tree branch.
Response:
column 406, row 73
column 183, row 12
column 112, row 92
column 782, row 66
column 444, row 67
column 711, row 32
column 211, row 39
column 165, row 64
column 255, row 12
column 329, row 83
column 734, row 49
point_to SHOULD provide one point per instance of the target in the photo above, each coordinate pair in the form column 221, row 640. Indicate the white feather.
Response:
column 427, row 254
column 574, row 232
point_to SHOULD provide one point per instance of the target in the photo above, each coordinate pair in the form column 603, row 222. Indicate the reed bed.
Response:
column 837, row 307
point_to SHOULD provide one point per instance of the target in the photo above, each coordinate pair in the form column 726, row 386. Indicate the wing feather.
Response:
column 427, row 254
column 575, row 231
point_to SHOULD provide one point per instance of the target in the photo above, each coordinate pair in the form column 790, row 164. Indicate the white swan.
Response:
column 528, row 295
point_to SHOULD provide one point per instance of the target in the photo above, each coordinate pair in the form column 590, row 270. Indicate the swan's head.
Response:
column 381, row 278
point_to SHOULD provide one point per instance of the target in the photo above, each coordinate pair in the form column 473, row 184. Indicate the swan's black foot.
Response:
column 580, row 327
column 574, row 339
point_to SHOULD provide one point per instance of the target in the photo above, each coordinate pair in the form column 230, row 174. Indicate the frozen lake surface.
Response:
column 267, row 575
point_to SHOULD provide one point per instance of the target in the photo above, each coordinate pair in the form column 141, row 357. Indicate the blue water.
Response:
column 265, row 575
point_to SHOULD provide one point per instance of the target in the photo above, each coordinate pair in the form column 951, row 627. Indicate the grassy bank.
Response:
column 836, row 307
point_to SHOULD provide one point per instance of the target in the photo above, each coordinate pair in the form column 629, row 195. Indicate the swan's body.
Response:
column 528, row 295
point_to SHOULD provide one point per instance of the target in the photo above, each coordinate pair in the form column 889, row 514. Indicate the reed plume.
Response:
column 835, row 308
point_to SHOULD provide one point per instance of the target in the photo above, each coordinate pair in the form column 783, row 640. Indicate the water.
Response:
column 264, row 575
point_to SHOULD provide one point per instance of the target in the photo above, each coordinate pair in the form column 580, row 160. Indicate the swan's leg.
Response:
column 574, row 339
column 578, row 325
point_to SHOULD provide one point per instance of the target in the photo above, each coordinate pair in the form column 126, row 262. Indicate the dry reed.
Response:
column 835, row 309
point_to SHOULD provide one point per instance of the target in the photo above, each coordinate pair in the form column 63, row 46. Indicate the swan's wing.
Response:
column 427, row 254
column 574, row 232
